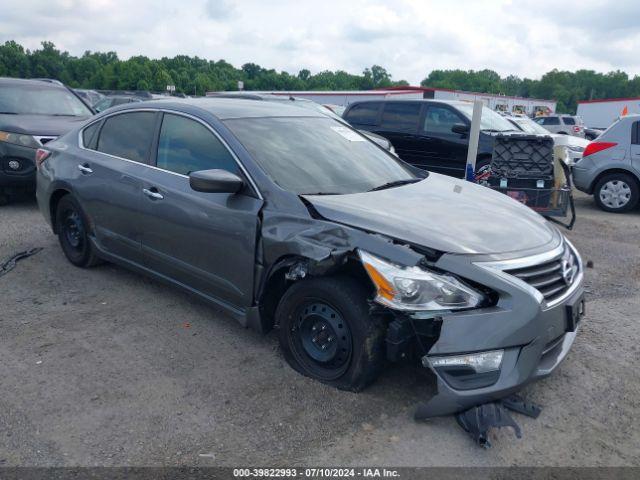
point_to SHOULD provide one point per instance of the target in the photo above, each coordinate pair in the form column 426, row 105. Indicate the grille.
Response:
column 552, row 278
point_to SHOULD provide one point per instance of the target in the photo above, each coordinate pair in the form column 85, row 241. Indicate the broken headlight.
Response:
column 414, row 288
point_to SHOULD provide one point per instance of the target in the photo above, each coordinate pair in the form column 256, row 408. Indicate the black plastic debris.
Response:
column 9, row 264
column 518, row 404
column 478, row 421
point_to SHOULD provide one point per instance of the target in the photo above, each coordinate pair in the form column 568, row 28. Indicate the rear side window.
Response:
column 551, row 121
column 128, row 135
column 89, row 135
column 635, row 133
column 439, row 120
column 569, row 120
column 364, row 113
column 401, row 116
column 187, row 146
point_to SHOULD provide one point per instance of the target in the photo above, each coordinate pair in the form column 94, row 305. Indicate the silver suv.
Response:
column 610, row 166
column 563, row 124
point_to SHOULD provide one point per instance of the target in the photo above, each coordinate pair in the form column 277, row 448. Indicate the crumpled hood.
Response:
column 39, row 124
column 442, row 213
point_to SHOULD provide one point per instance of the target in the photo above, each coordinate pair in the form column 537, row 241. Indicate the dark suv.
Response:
column 32, row 113
column 429, row 134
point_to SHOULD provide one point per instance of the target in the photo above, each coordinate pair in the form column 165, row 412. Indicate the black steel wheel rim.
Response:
column 73, row 230
column 321, row 339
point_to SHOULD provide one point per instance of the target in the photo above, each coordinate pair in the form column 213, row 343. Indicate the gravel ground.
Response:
column 105, row 367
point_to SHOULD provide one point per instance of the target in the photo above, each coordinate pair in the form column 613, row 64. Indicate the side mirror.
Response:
column 215, row 181
column 460, row 128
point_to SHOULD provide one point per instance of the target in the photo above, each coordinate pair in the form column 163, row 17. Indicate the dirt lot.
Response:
column 105, row 367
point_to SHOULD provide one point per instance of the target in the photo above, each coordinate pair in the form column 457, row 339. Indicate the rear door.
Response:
column 109, row 185
column 205, row 241
column 364, row 116
column 443, row 151
column 399, row 124
column 634, row 150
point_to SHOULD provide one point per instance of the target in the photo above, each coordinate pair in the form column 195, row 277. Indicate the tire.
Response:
column 331, row 313
column 4, row 199
column 617, row 192
column 71, row 226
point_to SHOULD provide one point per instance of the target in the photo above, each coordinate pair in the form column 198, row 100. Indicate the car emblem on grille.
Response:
column 568, row 268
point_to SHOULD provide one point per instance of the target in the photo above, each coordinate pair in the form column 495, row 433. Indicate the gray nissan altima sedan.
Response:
column 289, row 219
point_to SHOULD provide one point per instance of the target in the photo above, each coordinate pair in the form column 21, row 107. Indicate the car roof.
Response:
column 26, row 81
column 228, row 108
column 453, row 103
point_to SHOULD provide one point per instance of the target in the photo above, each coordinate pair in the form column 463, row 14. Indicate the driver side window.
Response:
column 187, row 146
column 439, row 120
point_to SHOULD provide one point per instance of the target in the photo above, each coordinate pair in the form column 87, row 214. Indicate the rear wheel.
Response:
column 4, row 199
column 73, row 234
column 617, row 192
column 327, row 333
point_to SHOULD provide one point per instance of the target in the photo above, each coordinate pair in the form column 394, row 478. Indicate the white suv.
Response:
column 563, row 124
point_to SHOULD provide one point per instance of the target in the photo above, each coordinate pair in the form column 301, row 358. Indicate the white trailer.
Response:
column 495, row 102
column 603, row 112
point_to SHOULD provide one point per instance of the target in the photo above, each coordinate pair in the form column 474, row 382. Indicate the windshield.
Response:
column 529, row 126
column 312, row 155
column 490, row 120
column 41, row 100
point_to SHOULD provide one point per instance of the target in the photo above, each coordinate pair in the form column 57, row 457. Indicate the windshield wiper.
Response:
column 8, row 113
column 396, row 183
column 322, row 193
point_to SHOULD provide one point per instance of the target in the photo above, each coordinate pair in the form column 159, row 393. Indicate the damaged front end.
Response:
column 477, row 322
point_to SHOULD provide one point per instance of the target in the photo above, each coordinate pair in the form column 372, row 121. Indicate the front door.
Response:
column 205, row 241
column 443, row 151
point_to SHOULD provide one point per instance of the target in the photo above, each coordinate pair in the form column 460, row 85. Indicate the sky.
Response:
column 409, row 38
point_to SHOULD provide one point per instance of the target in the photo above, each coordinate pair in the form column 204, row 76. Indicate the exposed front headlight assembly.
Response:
column 19, row 139
column 414, row 288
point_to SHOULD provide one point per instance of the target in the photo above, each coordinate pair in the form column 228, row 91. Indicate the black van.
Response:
column 430, row 134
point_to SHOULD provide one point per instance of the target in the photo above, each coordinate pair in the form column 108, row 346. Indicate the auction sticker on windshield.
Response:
column 348, row 134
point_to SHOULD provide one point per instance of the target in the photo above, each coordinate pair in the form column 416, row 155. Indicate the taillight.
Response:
column 595, row 147
column 577, row 129
column 41, row 156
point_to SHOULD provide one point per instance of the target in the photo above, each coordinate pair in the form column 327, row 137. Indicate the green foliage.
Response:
column 190, row 75
column 565, row 87
column 193, row 75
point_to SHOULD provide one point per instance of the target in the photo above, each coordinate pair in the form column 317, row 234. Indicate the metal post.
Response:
column 474, row 135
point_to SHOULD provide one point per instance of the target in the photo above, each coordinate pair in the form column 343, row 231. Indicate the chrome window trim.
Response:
column 174, row 112
column 499, row 267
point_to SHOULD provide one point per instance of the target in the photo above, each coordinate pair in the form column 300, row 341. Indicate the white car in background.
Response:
column 563, row 124
column 574, row 145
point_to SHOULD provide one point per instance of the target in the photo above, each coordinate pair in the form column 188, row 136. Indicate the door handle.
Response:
column 85, row 169
column 154, row 195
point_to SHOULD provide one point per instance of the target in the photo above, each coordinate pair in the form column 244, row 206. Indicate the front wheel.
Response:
column 327, row 333
column 617, row 193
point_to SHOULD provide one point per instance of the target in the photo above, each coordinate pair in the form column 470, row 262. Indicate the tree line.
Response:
column 194, row 75
column 567, row 88
column 190, row 75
